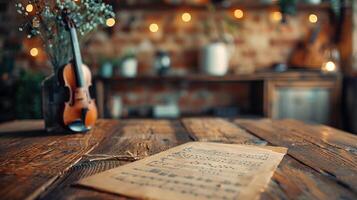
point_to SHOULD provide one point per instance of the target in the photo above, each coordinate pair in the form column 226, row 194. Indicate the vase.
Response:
column 314, row 2
column 106, row 70
column 117, row 107
column 162, row 63
column 215, row 59
column 129, row 67
column 52, row 101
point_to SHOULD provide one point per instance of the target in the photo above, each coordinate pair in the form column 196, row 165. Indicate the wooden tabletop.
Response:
column 321, row 161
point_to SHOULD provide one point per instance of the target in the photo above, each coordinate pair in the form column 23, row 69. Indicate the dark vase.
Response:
column 52, row 102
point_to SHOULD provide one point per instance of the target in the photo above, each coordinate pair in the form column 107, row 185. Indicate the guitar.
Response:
column 310, row 53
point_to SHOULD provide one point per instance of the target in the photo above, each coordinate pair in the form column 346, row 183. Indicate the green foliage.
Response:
column 28, row 95
column 288, row 6
column 223, row 29
column 47, row 23
column 335, row 6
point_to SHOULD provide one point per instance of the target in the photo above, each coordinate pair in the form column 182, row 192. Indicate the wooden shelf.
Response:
column 258, row 92
column 228, row 78
column 253, row 5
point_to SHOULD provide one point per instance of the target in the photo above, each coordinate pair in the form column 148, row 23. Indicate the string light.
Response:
column 110, row 22
column 238, row 13
column 154, row 28
column 276, row 16
column 29, row 8
column 329, row 66
column 313, row 18
column 186, row 17
column 34, row 52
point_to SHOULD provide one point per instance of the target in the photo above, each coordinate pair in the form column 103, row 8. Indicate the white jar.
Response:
column 215, row 59
column 117, row 106
column 129, row 67
column 314, row 2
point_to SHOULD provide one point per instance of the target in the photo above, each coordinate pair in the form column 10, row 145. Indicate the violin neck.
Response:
column 77, row 58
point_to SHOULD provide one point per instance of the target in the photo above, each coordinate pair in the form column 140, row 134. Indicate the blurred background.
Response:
column 181, row 58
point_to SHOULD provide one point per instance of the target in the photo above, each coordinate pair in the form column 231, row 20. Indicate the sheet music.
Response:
column 195, row 170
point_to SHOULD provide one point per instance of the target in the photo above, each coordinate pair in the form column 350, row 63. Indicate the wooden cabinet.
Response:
column 307, row 96
column 307, row 100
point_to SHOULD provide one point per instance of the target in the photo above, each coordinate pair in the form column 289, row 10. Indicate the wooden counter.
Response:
column 304, row 95
column 298, row 75
column 321, row 161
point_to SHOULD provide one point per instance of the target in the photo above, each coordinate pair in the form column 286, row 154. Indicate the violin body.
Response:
column 80, row 106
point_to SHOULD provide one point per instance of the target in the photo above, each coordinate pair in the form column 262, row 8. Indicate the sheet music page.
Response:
column 195, row 170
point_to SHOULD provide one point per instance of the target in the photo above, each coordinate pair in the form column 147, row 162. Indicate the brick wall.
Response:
column 259, row 41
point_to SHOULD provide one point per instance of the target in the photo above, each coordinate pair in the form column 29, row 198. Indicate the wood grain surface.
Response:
column 134, row 139
column 319, row 149
column 32, row 160
column 291, row 180
column 321, row 161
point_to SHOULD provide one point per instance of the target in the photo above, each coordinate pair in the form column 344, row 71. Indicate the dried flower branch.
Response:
column 46, row 22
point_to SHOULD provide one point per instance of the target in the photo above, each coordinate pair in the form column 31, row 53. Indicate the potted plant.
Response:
column 215, row 55
column 128, row 64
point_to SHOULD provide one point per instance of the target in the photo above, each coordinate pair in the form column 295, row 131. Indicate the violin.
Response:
column 80, row 111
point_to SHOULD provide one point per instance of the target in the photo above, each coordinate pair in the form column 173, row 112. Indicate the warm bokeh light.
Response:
column 110, row 22
column 186, row 17
column 276, row 16
column 34, row 52
column 313, row 18
column 154, row 28
column 238, row 13
column 329, row 66
column 29, row 8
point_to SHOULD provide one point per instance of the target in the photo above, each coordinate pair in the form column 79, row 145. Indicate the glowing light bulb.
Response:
column 34, row 52
column 330, row 66
column 186, row 17
column 276, row 16
column 238, row 13
column 154, row 27
column 29, row 8
column 110, row 22
column 313, row 18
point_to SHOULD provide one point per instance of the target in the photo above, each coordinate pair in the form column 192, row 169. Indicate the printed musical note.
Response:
column 195, row 170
